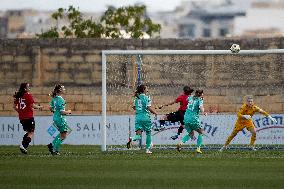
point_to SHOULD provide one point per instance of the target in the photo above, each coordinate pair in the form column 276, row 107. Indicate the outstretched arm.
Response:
column 202, row 110
column 168, row 104
column 64, row 112
column 267, row 115
column 35, row 106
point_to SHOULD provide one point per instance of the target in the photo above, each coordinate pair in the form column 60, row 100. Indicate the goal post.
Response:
column 118, row 77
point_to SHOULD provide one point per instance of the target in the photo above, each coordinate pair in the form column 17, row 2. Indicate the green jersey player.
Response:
column 57, row 106
column 191, row 119
column 142, row 107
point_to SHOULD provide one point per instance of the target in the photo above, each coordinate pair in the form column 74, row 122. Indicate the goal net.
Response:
column 225, row 78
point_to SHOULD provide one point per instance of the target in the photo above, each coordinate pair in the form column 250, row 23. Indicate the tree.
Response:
column 114, row 23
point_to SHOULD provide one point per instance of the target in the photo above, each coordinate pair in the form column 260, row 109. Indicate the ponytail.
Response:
column 57, row 89
column 198, row 93
column 22, row 90
column 139, row 90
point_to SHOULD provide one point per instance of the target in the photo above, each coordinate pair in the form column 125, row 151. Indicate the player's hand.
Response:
column 247, row 117
column 69, row 112
column 272, row 119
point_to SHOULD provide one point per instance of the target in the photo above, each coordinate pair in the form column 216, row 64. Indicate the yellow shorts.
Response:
column 241, row 125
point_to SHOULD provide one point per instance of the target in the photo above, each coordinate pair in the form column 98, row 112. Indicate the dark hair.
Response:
column 198, row 93
column 22, row 90
column 187, row 90
column 139, row 90
column 57, row 89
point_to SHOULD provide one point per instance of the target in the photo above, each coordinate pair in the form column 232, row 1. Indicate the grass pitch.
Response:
column 88, row 167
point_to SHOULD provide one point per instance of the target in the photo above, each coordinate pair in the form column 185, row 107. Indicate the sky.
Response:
column 87, row 5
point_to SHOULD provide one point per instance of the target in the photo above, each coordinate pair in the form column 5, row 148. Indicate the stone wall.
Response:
column 76, row 63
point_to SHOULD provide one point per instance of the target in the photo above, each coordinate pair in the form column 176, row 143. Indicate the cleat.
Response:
column 222, row 149
column 50, row 148
column 148, row 151
column 179, row 147
column 129, row 143
column 174, row 137
column 198, row 150
column 23, row 149
column 253, row 148
column 56, row 153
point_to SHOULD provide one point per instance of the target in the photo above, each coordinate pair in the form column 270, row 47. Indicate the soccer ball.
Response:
column 235, row 48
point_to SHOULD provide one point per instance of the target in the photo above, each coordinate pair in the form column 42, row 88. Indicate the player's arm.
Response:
column 241, row 113
column 152, row 111
column 150, row 108
column 35, row 106
column 202, row 109
column 266, row 114
column 61, row 107
column 65, row 112
column 15, row 105
column 168, row 104
column 51, row 109
column 51, row 106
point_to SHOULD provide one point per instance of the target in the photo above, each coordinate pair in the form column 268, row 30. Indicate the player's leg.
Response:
column 29, row 127
column 235, row 131
column 58, row 140
column 174, row 117
column 179, row 117
column 138, row 134
column 199, row 139
column 251, row 129
column 186, row 137
column 146, row 126
column 163, row 119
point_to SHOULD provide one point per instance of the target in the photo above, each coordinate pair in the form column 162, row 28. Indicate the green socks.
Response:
column 56, row 143
column 185, row 138
column 199, row 140
column 148, row 140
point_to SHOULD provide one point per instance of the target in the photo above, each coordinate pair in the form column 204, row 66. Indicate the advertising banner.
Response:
column 86, row 130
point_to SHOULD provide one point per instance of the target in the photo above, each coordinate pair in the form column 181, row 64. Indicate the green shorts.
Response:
column 192, row 126
column 143, row 125
column 61, row 125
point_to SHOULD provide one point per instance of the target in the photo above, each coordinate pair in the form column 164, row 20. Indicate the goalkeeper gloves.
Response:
column 247, row 117
column 272, row 119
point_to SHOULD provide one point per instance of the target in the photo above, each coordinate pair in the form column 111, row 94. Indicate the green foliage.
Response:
column 114, row 23
column 51, row 33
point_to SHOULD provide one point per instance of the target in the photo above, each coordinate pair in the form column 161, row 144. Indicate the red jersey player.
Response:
column 179, row 114
column 24, row 105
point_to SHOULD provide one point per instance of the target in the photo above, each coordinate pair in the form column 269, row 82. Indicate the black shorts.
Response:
column 28, row 124
column 176, row 116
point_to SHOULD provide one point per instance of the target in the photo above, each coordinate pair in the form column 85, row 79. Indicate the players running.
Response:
column 24, row 105
column 57, row 106
column 192, row 121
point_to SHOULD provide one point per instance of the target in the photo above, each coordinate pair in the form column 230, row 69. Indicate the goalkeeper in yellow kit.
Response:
column 244, row 120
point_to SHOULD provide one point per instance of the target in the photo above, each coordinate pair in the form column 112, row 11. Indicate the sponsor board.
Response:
column 87, row 130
